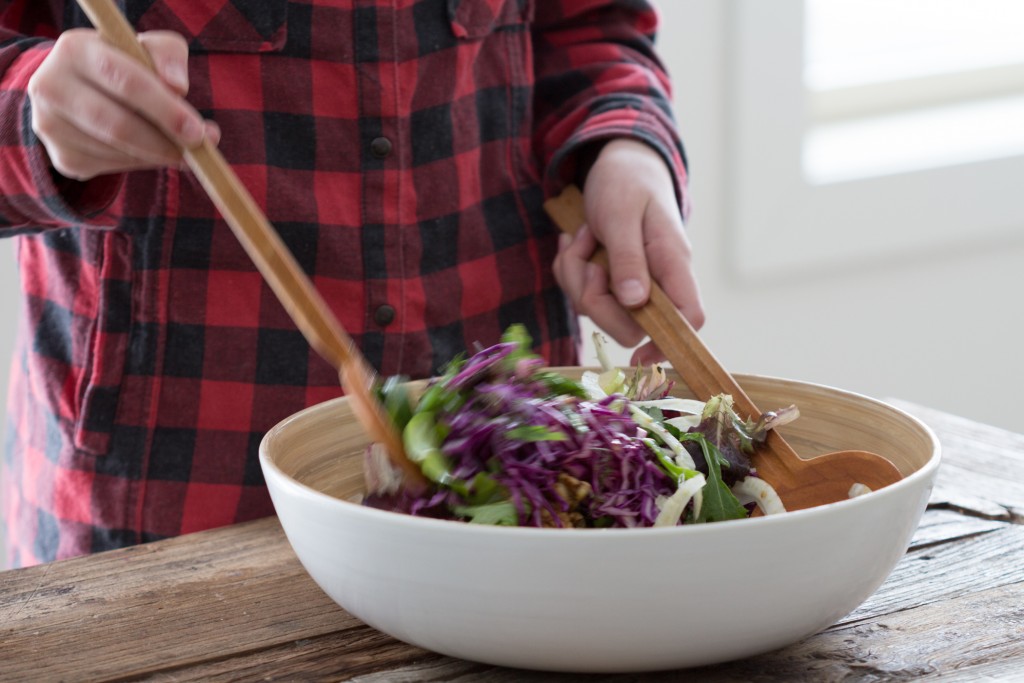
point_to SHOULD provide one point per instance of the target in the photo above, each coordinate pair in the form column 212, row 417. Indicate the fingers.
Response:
column 106, row 123
column 646, row 355
column 604, row 308
column 98, row 111
column 670, row 259
column 135, row 88
column 619, row 222
column 631, row 209
column 570, row 265
column 169, row 52
column 586, row 285
column 80, row 156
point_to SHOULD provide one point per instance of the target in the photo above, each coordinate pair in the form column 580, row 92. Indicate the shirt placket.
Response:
column 381, row 153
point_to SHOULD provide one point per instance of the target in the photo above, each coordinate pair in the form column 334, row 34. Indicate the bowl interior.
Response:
column 322, row 446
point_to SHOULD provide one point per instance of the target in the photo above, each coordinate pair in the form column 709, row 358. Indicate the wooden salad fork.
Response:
column 275, row 261
column 801, row 483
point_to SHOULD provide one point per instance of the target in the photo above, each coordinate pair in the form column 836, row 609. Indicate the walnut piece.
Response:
column 572, row 492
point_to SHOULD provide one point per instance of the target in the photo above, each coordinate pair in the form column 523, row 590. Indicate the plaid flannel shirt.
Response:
column 402, row 148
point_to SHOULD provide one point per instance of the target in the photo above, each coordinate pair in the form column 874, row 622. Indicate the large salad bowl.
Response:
column 604, row 600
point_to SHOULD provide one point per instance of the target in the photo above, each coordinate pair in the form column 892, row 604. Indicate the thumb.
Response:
column 169, row 52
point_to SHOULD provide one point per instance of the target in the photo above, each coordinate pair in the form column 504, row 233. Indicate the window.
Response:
column 894, row 126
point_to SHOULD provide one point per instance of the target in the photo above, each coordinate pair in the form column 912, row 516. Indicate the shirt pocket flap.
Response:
column 478, row 18
column 219, row 25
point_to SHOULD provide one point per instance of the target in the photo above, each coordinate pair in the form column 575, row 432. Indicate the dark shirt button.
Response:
column 380, row 147
column 384, row 315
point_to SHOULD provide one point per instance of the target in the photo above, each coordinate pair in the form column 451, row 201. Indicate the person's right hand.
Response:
column 98, row 111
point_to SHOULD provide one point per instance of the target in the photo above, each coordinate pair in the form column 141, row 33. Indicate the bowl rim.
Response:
column 926, row 471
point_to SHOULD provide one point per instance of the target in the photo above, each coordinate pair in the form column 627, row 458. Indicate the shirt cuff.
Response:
column 32, row 194
column 652, row 129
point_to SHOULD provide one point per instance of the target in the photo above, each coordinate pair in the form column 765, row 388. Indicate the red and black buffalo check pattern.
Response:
column 402, row 148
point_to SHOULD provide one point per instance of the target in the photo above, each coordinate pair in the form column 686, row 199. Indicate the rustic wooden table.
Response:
column 234, row 604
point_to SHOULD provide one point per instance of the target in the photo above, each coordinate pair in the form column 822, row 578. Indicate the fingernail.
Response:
column 630, row 292
column 213, row 132
column 192, row 131
column 177, row 75
column 564, row 241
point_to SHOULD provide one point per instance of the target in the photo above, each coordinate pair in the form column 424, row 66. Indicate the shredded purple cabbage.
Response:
column 602, row 451
column 585, row 443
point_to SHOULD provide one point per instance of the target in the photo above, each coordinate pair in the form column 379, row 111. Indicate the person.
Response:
column 402, row 150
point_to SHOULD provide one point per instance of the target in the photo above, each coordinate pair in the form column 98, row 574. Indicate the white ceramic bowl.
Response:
column 604, row 600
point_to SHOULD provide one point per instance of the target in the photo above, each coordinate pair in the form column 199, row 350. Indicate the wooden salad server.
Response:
column 801, row 483
column 275, row 261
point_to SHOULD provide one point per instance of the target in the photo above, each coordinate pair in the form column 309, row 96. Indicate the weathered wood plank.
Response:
column 190, row 599
column 942, row 572
column 973, row 492
column 979, row 629
column 331, row 657
column 930, row 579
column 982, row 468
column 950, row 498
column 942, row 526
column 966, row 638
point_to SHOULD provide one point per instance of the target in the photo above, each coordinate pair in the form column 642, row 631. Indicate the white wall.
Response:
column 944, row 328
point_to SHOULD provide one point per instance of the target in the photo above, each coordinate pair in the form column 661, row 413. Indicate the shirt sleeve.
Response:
column 598, row 78
column 33, row 196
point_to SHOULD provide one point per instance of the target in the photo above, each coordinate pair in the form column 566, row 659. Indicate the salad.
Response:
column 504, row 441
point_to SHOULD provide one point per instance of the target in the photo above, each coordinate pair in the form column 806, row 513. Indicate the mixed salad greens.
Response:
column 504, row 441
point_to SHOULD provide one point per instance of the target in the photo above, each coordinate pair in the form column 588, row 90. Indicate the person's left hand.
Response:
column 631, row 208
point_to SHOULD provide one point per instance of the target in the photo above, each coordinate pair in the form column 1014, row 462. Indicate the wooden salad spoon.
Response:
column 801, row 483
column 275, row 261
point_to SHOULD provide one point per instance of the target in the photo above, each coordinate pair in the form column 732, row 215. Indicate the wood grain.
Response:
column 899, row 636
column 188, row 599
column 331, row 657
column 942, row 572
column 161, row 605
column 922, row 644
column 982, row 469
column 940, row 525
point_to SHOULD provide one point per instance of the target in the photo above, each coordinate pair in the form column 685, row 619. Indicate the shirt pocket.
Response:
column 249, row 26
column 475, row 19
column 107, row 263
